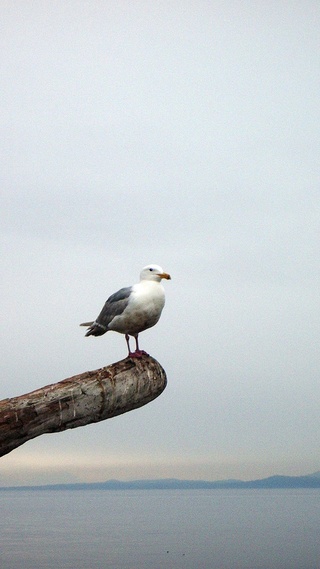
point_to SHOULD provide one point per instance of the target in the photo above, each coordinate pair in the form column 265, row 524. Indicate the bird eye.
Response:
column 150, row 269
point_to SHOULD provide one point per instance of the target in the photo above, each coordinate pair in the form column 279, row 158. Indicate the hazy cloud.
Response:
column 186, row 136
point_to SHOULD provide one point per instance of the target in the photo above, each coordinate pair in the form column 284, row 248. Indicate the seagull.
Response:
column 132, row 309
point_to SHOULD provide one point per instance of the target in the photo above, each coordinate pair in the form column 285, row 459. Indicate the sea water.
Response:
column 160, row 529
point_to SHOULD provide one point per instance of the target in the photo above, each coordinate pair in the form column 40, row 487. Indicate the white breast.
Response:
column 143, row 310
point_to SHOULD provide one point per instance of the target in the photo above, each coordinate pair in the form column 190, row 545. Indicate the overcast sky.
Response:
column 184, row 134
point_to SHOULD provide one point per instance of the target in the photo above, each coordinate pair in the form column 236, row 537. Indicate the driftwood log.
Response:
column 79, row 400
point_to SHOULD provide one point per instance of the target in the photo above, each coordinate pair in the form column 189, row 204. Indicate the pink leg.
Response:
column 138, row 353
column 128, row 344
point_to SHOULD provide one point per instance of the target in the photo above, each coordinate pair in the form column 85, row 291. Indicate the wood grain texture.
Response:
column 80, row 400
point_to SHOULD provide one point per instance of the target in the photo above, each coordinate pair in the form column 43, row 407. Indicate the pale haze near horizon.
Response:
column 182, row 134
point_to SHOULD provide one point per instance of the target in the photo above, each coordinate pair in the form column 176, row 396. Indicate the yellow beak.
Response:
column 165, row 276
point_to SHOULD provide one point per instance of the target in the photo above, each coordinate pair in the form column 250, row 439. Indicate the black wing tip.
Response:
column 96, row 330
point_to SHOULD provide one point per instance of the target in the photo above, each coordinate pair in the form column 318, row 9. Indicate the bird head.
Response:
column 153, row 273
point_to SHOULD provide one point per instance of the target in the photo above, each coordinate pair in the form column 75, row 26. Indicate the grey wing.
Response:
column 114, row 306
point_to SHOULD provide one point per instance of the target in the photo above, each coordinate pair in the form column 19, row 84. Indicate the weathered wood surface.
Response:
column 79, row 400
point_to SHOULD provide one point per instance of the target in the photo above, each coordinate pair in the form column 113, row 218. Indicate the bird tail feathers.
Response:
column 94, row 328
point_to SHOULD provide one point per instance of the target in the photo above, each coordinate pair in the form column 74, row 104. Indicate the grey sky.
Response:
column 184, row 134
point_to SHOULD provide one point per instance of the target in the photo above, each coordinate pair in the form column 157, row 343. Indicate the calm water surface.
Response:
column 160, row 529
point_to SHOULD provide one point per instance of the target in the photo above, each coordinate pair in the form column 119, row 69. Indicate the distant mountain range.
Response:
column 277, row 481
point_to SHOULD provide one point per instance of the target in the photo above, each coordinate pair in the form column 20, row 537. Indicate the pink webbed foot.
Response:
column 137, row 354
